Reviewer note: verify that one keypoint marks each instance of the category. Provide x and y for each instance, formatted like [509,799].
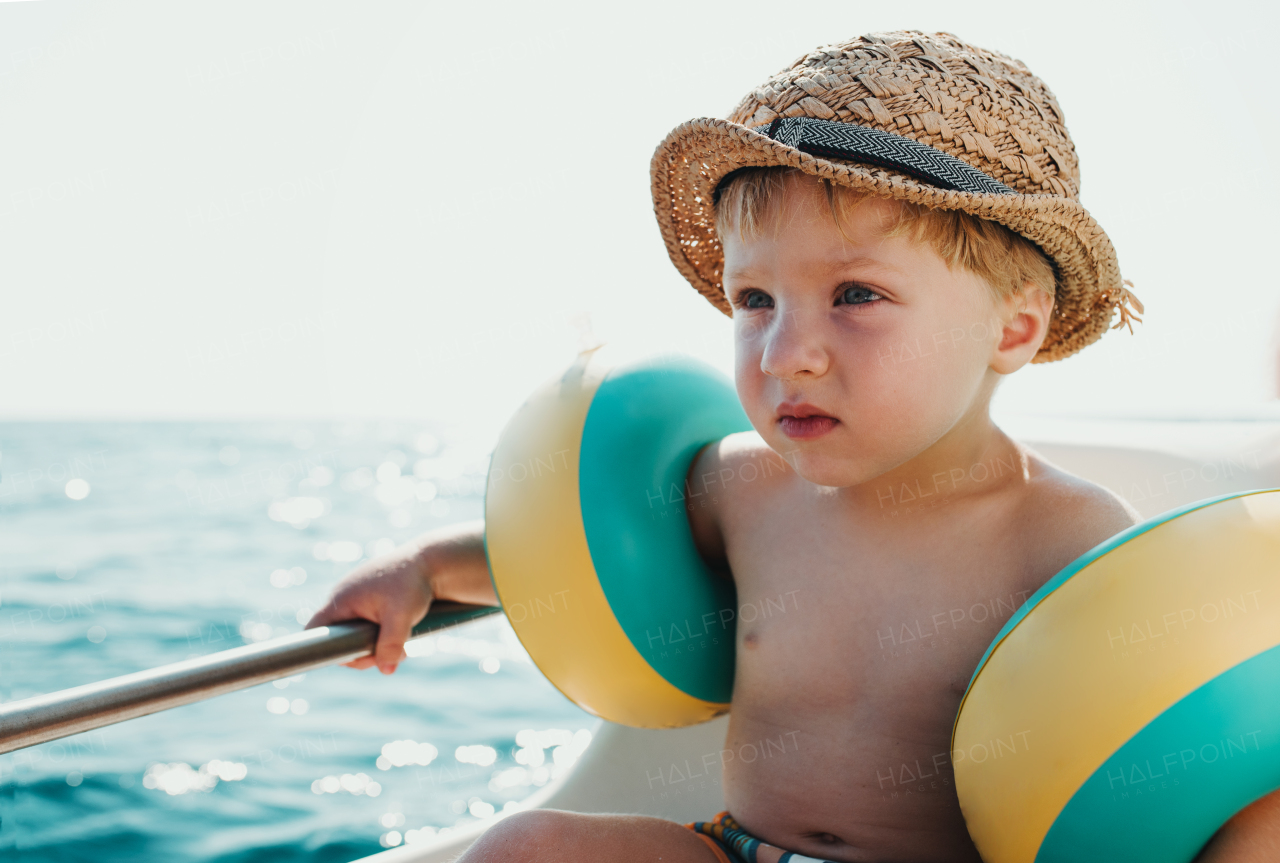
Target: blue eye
[858,296]
[758,300]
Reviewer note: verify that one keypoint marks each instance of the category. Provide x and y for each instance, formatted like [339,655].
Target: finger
[389,656]
[392,634]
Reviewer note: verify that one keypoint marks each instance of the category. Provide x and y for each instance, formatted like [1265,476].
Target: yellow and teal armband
[1132,705]
[589,544]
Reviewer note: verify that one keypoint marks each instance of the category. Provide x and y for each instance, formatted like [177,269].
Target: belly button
[750,639]
[827,839]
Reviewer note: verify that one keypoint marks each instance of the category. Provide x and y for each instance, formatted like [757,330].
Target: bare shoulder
[749,457]
[724,477]
[1063,516]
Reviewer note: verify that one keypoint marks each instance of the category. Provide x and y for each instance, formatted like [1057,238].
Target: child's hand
[393,592]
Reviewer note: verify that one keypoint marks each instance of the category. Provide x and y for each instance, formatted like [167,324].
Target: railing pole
[82,708]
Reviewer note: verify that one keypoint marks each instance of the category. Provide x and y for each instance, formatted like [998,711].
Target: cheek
[748,377]
[930,375]
[945,344]
[906,377]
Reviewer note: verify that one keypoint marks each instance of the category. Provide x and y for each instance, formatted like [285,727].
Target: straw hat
[918,117]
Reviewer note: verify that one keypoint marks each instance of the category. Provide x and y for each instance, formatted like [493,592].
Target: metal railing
[82,708]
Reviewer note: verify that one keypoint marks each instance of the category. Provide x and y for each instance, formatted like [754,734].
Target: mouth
[804,422]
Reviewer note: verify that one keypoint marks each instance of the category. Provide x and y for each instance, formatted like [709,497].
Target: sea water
[128,546]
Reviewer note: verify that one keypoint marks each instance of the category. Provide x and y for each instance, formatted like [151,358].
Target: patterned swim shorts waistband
[728,837]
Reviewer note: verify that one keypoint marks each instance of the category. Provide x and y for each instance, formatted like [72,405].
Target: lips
[804,421]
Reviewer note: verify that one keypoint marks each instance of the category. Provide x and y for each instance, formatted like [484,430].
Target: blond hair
[1005,260]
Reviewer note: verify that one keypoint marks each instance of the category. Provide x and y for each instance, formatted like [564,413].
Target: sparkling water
[127,546]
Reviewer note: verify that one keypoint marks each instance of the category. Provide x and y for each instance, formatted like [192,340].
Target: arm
[730,478]
[1252,834]
[704,518]
[395,590]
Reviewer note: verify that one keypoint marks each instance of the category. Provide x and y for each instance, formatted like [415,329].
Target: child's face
[853,356]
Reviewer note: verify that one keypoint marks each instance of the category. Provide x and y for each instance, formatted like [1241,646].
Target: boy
[892,224]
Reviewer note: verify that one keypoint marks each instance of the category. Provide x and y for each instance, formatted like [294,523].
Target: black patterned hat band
[832,140]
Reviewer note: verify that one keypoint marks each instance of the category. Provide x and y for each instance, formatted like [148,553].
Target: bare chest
[831,615]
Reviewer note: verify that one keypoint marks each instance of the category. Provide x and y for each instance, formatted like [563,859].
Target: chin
[830,471]
[842,464]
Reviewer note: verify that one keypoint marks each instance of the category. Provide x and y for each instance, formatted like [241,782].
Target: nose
[794,347]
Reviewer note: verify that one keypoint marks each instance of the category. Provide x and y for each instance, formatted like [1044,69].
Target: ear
[1024,321]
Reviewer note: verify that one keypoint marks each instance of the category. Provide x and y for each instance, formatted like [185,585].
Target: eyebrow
[832,267]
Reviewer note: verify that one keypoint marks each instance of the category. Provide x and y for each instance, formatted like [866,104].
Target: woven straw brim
[693,159]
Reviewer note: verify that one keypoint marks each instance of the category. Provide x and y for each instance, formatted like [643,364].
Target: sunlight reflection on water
[198,538]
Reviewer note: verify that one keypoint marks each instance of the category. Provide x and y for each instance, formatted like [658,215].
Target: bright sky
[307,209]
